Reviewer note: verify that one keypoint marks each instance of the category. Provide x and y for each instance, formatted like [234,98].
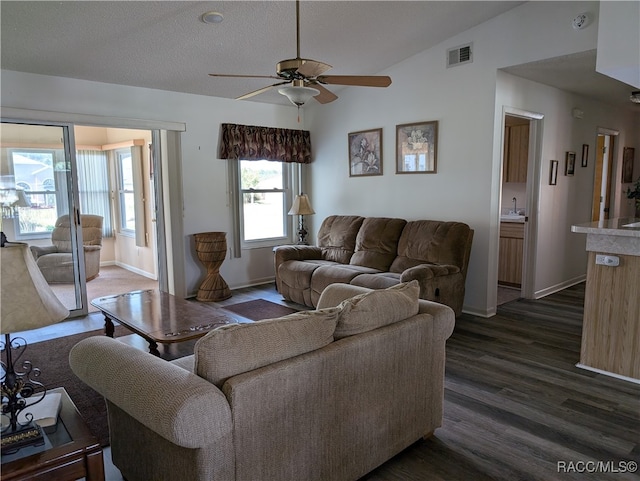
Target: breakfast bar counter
[611,323]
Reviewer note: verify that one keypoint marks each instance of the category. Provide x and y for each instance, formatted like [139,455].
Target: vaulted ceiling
[165,44]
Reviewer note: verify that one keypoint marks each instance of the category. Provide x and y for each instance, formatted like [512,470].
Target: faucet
[515,205]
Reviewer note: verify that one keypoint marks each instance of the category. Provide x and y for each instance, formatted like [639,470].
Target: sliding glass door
[40,204]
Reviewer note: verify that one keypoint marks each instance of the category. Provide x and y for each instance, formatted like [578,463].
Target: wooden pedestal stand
[211,248]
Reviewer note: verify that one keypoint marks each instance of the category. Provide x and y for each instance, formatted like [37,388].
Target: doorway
[601,203]
[59,172]
[520,169]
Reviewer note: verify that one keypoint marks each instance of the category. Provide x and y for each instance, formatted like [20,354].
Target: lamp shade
[301,206]
[26,300]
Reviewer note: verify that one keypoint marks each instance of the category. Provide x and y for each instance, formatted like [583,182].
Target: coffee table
[70,451]
[161,318]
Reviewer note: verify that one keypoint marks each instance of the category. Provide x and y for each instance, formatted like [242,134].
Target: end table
[70,451]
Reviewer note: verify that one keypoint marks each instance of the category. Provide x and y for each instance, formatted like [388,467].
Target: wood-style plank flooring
[517,408]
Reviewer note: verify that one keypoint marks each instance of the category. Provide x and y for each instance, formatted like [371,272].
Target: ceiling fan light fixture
[298,95]
[635,97]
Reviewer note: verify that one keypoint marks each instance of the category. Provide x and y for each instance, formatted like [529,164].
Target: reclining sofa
[378,252]
[324,395]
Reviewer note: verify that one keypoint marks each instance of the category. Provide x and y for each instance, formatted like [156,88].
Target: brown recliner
[56,262]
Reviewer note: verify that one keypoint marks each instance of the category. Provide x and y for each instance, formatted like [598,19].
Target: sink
[633,224]
[514,217]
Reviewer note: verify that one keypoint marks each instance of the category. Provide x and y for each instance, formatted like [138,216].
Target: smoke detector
[635,97]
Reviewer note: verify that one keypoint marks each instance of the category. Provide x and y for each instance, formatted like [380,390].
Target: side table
[70,451]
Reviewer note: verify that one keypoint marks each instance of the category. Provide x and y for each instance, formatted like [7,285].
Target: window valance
[250,142]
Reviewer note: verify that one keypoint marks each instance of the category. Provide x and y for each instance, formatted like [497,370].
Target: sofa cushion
[337,237]
[238,348]
[432,242]
[375,309]
[377,242]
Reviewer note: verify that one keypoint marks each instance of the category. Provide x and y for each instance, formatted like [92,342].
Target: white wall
[467,101]
[205,206]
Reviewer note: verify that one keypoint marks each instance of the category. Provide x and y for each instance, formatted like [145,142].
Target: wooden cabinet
[611,325]
[516,153]
[511,251]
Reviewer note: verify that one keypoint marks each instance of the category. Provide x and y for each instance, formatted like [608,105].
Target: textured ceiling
[164,45]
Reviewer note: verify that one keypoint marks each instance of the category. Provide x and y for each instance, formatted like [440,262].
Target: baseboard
[480,313]
[135,270]
[262,282]
[607,373]
[558,287]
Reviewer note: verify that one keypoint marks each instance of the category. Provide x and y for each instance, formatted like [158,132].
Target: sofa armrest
[38,251]
[90,248]
[176,404]
[427,271]
[444,318]
[296,253]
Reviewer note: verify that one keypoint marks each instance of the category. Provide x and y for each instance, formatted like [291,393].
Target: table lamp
[26,302]
[301,207]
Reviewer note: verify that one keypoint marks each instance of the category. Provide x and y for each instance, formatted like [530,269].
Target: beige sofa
[378,252]
[56,262]
[318,395]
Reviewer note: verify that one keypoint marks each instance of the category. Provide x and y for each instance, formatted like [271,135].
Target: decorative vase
[211,248]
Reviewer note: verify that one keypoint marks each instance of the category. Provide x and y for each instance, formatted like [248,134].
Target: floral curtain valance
[250,142]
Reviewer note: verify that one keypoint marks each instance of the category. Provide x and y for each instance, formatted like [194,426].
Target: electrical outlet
[611,261]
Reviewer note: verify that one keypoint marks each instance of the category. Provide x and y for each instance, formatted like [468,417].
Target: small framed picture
[365,153]
[627,164]
[585,154]
[570,163]
[417,148]
[553,173]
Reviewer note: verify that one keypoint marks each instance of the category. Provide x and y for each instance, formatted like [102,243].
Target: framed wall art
[627,164]
[417,148]
[553,173]
[365,153]
[570,163]
[585,154]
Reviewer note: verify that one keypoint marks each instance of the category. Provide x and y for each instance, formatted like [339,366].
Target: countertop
[611,227]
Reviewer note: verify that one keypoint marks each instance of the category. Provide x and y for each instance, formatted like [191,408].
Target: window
[126,196]
[265,193]
[33,172]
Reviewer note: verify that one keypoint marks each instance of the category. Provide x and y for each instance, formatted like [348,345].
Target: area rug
[52,357]
[260,309]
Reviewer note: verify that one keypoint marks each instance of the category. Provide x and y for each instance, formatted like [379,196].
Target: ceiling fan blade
[241,76]
[355,80]
[312,68]
[325,96]
[259,91]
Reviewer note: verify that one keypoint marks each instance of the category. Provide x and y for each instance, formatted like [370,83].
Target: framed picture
[627,164]
[365,153]
[570,163]
[585,154]
[553,173]
[417,148]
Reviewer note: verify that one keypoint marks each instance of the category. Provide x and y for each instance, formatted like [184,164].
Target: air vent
[460,55]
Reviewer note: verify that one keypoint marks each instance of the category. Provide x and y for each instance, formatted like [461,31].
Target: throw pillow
[237,348]
[378,308]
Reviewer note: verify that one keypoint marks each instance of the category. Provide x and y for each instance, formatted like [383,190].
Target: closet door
[39,203]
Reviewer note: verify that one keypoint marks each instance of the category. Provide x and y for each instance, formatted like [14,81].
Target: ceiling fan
[304,77]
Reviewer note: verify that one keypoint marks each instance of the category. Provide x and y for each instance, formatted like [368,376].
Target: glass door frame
[68,141]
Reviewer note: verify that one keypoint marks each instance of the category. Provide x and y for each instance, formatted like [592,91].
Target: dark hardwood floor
[517,408]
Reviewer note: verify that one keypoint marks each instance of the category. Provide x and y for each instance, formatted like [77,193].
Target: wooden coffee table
[70,451]
[161,318]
